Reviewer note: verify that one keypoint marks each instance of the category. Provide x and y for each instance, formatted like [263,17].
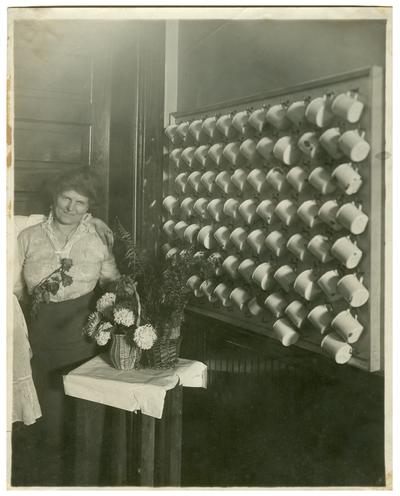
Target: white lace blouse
[40,254]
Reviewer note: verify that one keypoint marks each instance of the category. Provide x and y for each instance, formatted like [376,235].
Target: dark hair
[84,181]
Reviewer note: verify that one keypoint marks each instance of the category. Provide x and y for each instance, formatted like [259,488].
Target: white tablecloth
[132,390]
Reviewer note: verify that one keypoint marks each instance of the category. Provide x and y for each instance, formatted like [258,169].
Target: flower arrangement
[50,285]
[118,311]
[161,281]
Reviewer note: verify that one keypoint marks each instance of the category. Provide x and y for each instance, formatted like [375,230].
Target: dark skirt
[58,346]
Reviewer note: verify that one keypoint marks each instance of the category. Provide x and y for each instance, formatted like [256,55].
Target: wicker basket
[163,355]
[124,355]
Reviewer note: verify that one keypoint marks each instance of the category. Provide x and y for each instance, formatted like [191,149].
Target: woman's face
[69,207]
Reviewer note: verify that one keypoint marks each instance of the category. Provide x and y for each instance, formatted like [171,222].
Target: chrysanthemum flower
[103,336]
[124,316]
[145,336]
[93,321]
[105,302]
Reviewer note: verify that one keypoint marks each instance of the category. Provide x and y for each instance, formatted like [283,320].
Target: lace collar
[84,226]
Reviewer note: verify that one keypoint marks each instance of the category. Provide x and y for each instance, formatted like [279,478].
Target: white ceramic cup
[297,245]
[191,232]
[347,326]
[296,112]
[206,237]
[266,210]
[265,147]
[321,180]
[297,178]
[354,146]
[230,265]
[286,150]
[320,317]
[352,218]
[222,236]
[308,143]
[168,228]
[209,126]
[232,153]
[165,248]
[187,155]
[170,132]
[239,121]
[257,119]
[256,178]
[215,209]
[276,178]
[276,304]
[297,313]
[308,213]
[285,276]
[172,253]
[247,210]
[175,157]
[246,268]
[224,125]
[283,330]
[318,112]
[215,153]
[255,308]
[348,107]
[263,275]
[195,128]
[208,287]
[239,238]
[353,290]
[255,240]
[171,204]
[276,242]
[348,179]
[223,181]
[182,129]
[208,180]
[200,208]
[329,140]
[240,297]
[334,347]
[193,282]
[181,182]
[187,206]
[180,228]
[328,283]
[239,178]
[347,252]
[327,213]
[201,154]
[305,285]
[276,115]
[286,210]
[320,247]
[222,291]
[231,207]
[194,181]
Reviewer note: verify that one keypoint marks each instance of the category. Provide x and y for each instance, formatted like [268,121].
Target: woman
[55,332]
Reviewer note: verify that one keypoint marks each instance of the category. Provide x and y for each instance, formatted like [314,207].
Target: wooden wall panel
[52,142]
[62,94]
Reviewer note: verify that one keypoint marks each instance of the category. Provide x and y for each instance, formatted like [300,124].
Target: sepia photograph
[199,228]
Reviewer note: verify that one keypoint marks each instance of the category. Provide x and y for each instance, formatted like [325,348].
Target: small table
[151,443]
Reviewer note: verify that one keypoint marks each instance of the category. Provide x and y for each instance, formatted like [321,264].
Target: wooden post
[147,449]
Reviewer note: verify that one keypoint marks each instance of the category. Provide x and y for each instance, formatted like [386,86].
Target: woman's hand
[104,232]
